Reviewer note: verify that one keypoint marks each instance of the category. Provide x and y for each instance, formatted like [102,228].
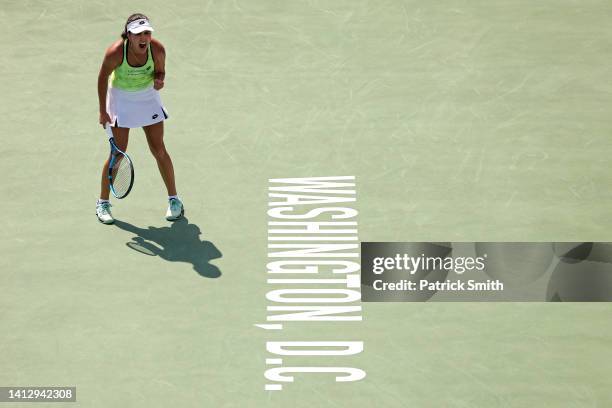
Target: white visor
[138,26]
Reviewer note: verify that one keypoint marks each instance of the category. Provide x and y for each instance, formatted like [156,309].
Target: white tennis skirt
[134,109]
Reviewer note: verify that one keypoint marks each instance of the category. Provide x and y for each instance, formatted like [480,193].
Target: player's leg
[121,136]
[155,139]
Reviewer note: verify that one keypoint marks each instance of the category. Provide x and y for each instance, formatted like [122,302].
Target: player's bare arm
[159,55]
[112,59]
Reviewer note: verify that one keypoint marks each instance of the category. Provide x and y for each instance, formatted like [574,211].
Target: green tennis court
[461,121]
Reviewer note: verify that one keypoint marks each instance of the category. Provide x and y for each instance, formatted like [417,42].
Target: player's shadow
[179,242]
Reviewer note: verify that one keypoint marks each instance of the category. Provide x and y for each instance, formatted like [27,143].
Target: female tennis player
[136,67]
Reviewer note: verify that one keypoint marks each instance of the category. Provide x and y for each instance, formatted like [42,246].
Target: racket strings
[121,175]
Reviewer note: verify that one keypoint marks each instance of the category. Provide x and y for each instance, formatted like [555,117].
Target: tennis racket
[120,168]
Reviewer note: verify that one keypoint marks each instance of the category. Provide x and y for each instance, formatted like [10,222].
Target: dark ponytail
[131,18]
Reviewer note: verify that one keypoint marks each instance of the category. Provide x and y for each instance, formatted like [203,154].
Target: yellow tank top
[129,78]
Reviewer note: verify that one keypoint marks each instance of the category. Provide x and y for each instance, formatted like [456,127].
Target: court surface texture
[461,121]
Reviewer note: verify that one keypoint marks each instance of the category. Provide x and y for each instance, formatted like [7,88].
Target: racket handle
[109,132]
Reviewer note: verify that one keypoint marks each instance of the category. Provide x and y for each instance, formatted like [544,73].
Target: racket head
[120,172]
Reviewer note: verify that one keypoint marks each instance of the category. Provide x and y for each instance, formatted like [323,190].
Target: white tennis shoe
[175,209]
[104,213]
